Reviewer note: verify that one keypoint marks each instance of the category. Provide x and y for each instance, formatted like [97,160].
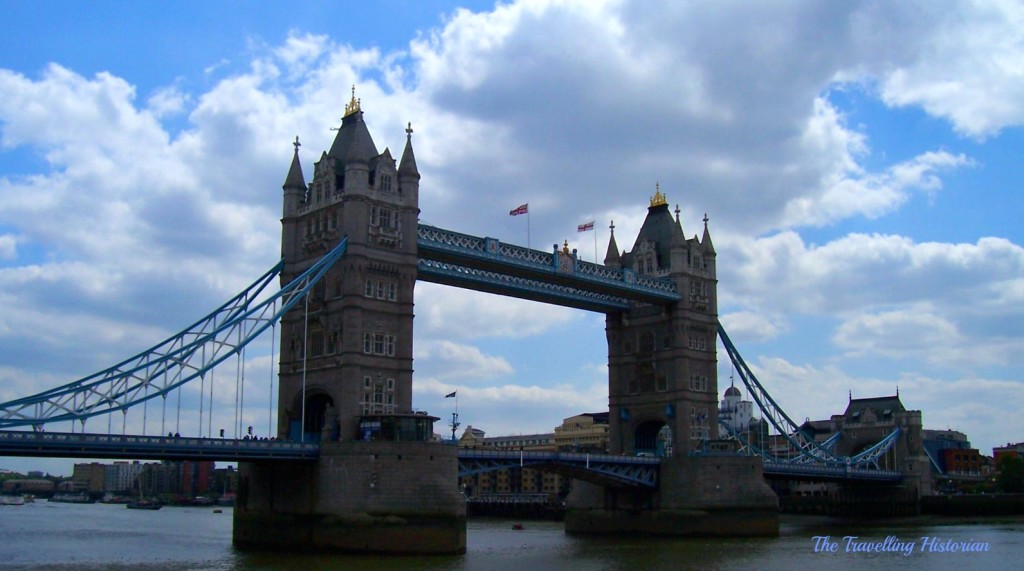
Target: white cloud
[963,64]
[462,314]
[751,326]
[8,247]
[167,101]
[448,360]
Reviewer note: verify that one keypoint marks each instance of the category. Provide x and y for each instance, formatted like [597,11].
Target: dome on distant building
[732,392]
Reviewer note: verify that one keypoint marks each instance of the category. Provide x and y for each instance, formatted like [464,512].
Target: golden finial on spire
[353,105]
[658,199]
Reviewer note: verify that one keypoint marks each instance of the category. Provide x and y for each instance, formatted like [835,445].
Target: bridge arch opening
[653,438]
[321,418]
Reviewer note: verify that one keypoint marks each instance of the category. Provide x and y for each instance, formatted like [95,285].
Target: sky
[858,163]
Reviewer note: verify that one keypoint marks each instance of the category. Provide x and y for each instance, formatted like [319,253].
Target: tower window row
[381,289]
[698,423]
[698,383]
[378,396]
[698,342]
[384,218]
[321,223]
[375,343]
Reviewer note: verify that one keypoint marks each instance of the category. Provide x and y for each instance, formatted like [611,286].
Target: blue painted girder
[557,277]
[607,469]
[131,447]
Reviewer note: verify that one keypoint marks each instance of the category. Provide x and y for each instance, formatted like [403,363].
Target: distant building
[36,486]
[587,432]
[954,462]
[1014,449]
[89,477]
[868,420]
[122,477]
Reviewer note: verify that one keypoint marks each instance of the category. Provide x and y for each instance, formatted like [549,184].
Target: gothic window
[698,342]
[646,344]
[319,192]
[385,183]
[316,343]
[634,386]
[333,340]
[381,289]
[378,344]
[662,382]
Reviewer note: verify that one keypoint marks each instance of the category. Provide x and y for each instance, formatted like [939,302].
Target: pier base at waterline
[696,496]
[367,497]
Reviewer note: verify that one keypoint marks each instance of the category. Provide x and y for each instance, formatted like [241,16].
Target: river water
[73,537]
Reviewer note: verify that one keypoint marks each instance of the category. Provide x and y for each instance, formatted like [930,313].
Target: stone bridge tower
[380,484]
[662,399]
[662,363]
[349,353]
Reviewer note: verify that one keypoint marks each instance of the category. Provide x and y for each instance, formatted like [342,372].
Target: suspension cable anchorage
[127,383]
[809,449]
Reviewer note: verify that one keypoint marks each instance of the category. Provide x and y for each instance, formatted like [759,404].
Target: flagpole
[527,230]
[595,243]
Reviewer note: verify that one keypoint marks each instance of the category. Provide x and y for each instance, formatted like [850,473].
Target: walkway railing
[129,447]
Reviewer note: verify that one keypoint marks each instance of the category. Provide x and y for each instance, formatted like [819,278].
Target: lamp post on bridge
[455,415]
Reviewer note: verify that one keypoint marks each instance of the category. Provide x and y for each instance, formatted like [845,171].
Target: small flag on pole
[585,227]
[523,209]
[450,395]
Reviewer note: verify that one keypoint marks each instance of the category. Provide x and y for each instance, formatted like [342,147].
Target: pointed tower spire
[611,258]
[706,240]
[408,165]
[295,180]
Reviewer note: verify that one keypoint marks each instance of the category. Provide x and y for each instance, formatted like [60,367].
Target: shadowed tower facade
[662,361]
[379,484]
[348,354]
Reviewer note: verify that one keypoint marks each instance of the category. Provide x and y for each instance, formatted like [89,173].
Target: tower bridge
[368,476]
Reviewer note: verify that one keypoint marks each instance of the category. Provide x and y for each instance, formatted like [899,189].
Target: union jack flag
[523,209]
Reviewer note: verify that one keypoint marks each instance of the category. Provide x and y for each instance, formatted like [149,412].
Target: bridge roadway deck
[630,470]
[132,447]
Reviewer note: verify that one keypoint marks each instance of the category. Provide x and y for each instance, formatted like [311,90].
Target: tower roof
[353,141]
[658,227]
[295,178]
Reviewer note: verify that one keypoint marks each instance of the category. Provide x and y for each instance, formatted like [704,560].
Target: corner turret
[611,257]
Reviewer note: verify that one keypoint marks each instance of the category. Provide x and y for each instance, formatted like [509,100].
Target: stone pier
[368,497]
[696,496]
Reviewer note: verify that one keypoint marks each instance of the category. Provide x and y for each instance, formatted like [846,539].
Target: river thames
[46,535]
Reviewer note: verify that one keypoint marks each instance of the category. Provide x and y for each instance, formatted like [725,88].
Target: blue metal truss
[515,286]
[803,448]
[601,468]
[181,358]
[583,280]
